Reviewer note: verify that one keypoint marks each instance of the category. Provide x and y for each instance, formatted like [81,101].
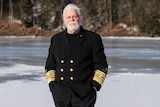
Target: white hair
[72,6]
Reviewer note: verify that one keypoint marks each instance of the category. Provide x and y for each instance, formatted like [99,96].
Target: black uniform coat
[75,63]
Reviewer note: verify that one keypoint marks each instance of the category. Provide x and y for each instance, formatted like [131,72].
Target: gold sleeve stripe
[50,76]
[99,77]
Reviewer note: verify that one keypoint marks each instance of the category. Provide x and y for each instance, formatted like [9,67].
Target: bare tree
[110,12]
[36,11]
[10,13]
[1,14]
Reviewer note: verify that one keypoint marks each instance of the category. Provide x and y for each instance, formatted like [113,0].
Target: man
[76,66]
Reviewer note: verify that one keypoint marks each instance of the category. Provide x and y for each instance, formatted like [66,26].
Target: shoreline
[25,36]
[131,37]
[104,37]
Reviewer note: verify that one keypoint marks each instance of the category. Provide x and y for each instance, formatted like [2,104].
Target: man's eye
[72,17]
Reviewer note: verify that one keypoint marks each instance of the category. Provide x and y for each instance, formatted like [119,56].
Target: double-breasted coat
[75,64]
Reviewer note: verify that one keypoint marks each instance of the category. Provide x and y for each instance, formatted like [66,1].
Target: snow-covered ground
[119,90]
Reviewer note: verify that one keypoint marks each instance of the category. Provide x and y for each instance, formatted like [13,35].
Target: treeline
[47,14]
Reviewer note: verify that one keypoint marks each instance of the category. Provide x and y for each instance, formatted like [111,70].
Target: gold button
[71,78]
[62,78]
[62,61]
[71,69]
[61,69]
[71,61]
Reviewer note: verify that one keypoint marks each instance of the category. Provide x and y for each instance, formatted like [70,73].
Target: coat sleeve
[100,63]
[50,64]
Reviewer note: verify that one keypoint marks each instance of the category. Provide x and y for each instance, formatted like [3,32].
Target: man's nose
[72,18]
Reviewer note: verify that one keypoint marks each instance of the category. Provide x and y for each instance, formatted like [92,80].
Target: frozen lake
[133,77]
[133,55]
[123,55]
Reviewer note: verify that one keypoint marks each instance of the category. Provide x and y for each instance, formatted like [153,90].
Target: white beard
[73,27]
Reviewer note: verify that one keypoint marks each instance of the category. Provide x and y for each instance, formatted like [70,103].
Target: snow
[28,94]
[132,90]
[119,90]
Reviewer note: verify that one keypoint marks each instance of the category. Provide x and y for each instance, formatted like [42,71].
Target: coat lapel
[63,46]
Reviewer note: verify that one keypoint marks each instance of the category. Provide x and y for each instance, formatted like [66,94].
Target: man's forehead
[69,11]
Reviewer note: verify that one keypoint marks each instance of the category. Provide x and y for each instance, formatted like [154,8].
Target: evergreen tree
[27,15]
[147,17]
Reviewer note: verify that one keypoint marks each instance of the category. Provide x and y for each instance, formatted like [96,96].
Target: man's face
[71,20]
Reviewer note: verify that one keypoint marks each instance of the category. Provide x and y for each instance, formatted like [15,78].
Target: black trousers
[79,96]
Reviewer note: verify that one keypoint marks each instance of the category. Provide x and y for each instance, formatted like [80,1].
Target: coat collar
[69,49]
